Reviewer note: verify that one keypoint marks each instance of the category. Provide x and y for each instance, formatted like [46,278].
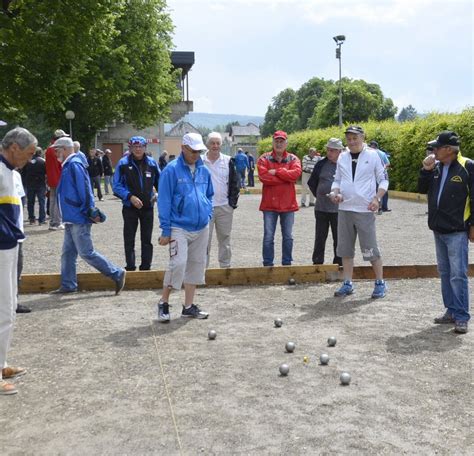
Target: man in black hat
[448,179]
[358,173]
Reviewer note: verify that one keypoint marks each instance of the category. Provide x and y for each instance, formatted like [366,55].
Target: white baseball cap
[63,142]
[194,141]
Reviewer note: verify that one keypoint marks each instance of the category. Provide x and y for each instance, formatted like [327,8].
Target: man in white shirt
[225,181]
[358,171]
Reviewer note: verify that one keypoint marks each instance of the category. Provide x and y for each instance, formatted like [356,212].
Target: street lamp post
[70,115]
[339,39]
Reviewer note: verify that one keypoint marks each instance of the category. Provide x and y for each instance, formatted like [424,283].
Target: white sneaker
[163,312]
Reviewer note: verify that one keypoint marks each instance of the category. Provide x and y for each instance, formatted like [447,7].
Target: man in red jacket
[278,171]
[53,174]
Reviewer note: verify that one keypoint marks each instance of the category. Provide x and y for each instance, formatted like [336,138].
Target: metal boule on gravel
[212,334]
[345,378]
[284,369]
[291,281]
[278,322]
[332,341]
[290,347]
[324,359]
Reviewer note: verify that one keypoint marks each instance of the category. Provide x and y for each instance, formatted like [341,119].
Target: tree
[289,120]
[104,59]
[361,101]
[307,98]
[275,111]
[228,127]
[408,113]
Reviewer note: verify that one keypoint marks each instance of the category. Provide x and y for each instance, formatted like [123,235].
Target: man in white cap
[185,208]
[325,211]
[77,205]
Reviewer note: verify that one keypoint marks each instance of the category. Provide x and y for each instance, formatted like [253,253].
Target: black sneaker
[194,312]
[163,312]
[446,319]
[20,309]
[460,327]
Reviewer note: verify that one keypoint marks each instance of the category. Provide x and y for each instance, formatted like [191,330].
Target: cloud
[203,104]
[379,12]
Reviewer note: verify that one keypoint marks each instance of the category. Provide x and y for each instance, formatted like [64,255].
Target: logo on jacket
[456,179]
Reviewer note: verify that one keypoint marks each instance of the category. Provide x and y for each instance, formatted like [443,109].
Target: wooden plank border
[407,196]
[145,280]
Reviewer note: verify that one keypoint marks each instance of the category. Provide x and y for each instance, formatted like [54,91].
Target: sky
[420,52]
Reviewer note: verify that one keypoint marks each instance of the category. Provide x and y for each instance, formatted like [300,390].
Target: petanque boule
[291,281]
[284,369]
[278,322]
[324,359]
[290,347]
[345,378]
[332,341]
[212,334]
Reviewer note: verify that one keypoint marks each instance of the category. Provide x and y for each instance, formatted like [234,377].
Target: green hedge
[406,142]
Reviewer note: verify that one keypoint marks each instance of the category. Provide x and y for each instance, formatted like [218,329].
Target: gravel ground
[106,379]
[403,237]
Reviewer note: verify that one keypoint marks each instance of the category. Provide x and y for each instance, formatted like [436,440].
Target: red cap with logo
[280,134]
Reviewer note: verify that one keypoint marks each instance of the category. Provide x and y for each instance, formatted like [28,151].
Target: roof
[181,128]
[183,60]
[247,130]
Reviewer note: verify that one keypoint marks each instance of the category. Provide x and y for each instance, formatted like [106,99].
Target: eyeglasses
[189,149]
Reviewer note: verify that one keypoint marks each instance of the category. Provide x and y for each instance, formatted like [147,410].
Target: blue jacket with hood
[74,191]
[184,199]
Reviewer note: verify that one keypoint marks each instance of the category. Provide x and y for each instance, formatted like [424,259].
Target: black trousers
[131,217]
[250,178]
[323,221]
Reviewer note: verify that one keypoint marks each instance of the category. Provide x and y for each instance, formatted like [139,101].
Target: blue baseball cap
[137,141]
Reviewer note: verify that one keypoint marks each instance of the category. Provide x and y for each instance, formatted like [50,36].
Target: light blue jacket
[74,191]
[184,200]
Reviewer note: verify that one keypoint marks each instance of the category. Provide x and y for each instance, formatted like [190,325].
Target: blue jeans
[241,173]
[452,258]
[77,240]
[270,219]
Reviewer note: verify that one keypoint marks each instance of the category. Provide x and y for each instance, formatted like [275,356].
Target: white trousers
[188,254]
[305,189]
[8,300]
[222,221]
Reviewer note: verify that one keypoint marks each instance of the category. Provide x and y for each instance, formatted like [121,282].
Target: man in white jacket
[358,171]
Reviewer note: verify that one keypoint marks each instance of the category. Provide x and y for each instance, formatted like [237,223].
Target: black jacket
[107,166]
[456,205]
[95,167]
[313,181]
[136,178]
[34,173]
[234,184]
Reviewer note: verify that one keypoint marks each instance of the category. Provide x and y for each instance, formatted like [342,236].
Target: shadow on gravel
[332,307]
[439,338]
[36,232]
[131,337]
[51,302]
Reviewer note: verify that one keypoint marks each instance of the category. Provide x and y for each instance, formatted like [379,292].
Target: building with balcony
[115,137]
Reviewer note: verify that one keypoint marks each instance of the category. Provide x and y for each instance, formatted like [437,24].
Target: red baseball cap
[280,134]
